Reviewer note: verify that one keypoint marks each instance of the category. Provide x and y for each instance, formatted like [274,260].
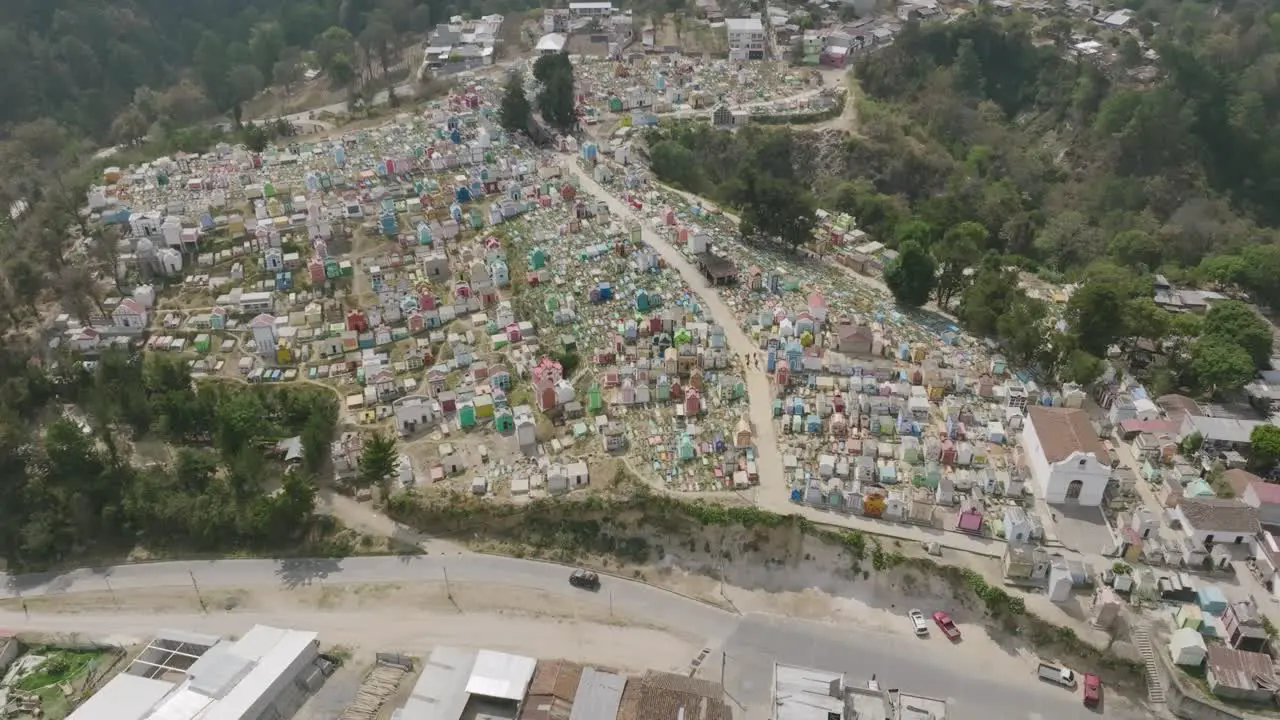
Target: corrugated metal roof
[441,690]
[599,696]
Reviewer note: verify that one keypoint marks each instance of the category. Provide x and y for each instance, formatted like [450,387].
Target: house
[1219,435]
[1261,496]
[613,437]
[746,38]
[412,413]
[1239,675]
[129,314]
[1067,461]
[1244,627]
[1207,521]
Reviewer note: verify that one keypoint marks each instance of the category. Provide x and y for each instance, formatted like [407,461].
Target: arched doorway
[1074,488]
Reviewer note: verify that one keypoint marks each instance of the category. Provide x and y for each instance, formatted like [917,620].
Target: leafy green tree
[676,164]
[556,101]
[967,70]
[1135,247]
[317,436]
[1144,319]
[332,44]
[1260,273]
[515,111]
[916,231]
[960,246]
[1130,52]
[266,43]
[1095,311]
[342,71]
[1264,448]
[240,420]
[1234,322]
[213,68]
[1220,365]
[775,208]
[378,461]
[988,297]
[911,276]
[1022,330]
[288,71]
[1083,368]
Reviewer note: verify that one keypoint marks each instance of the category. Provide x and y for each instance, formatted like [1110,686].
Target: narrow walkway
[759,394]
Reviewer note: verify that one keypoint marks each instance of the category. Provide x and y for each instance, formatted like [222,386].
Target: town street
[976,686]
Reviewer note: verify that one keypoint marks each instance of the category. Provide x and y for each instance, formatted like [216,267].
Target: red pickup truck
[946,625]
[1092,690]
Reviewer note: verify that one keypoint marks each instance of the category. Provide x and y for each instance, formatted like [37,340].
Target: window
[1074,488]
[1082,462]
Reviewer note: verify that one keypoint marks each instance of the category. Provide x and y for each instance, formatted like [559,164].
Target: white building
[746,38]
[458,682]
[591,9]
[413,413]
[551,44]
[1067,461]
[268,673]
[1209,521]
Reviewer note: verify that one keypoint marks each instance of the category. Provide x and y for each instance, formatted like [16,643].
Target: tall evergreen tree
[515,110]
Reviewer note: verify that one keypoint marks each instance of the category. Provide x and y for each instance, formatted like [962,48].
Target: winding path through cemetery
[772,482]
[772,493]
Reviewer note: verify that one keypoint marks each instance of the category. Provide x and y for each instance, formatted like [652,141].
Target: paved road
[929,667]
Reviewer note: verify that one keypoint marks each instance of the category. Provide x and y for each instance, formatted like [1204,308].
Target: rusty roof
[662,696]
[551,690]
[1240,480]
[1238,669]
[1063,431]
[1220,515]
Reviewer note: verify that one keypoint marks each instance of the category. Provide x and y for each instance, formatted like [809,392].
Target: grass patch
[58,667]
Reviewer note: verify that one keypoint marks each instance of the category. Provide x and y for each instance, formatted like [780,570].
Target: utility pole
[611,603]
[115,600]
[448,591]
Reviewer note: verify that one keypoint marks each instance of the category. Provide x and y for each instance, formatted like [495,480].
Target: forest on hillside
[984,147]
[85,63]
[76,486]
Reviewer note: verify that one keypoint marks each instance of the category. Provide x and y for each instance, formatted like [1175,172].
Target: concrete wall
[1193,708]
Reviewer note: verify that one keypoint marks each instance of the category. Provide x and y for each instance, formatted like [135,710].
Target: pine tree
[377,461]
[514,112]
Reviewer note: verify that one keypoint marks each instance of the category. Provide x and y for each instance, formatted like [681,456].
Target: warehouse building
[265,675]
[457,682]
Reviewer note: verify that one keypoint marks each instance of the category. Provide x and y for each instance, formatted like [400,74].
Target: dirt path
[759,394]
[847,121]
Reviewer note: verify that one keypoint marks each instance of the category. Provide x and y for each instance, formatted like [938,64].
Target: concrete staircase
[1155,685]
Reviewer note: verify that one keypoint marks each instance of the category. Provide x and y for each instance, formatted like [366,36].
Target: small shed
[1186,647]
[1211,599]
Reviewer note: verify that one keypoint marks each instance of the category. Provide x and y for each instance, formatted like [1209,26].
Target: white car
[918,622]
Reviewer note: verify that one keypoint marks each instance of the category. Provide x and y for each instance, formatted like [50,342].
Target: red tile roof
[1063,431]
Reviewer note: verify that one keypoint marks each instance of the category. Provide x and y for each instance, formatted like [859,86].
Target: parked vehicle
[918,622]
[1092,690]
[1057,674]
[585,579]
[946,625]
